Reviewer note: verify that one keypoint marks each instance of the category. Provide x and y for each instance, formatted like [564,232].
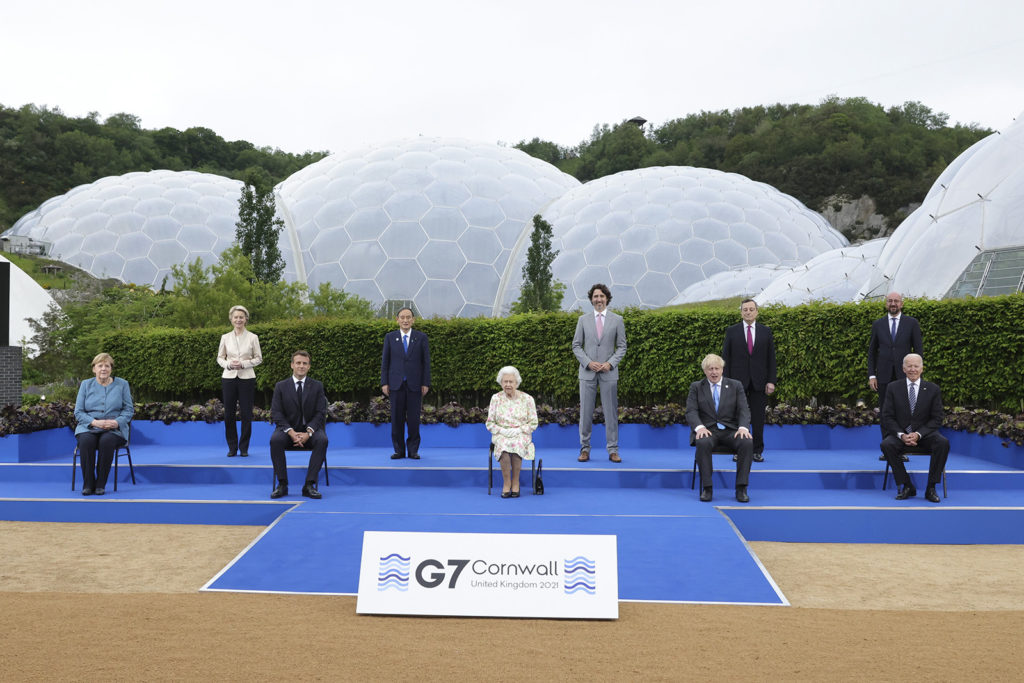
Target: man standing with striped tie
[911,417]
[749,354]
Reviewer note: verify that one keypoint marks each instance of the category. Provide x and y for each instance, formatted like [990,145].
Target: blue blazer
[396,364]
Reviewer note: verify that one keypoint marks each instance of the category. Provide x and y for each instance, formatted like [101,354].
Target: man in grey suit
[599,345]
[718,415]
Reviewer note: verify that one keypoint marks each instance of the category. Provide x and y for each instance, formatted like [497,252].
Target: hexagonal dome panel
[966,238]
[836,275]
[136,226]
[454,208]
[708,219]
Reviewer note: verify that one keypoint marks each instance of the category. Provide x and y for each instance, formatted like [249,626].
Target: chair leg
[693,474]
[533,475]
[885,479]
[116,459]
[490,472]
[945,492]
[327,473]
[74,467]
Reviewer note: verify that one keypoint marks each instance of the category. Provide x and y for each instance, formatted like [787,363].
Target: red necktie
[750,340]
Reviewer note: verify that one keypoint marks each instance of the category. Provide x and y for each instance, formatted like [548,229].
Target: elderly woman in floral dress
[511,420]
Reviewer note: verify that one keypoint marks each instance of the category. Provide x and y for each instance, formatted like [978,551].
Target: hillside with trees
[842,148]
[46,153]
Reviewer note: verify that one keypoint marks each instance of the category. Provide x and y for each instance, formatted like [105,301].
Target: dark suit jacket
[927,415]
[752,370]
[885,357]
[733,411]
[396,364]
[284,407]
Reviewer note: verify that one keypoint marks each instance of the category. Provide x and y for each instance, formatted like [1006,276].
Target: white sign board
[558,576]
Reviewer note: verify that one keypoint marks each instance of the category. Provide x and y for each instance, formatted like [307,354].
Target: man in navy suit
[299,411]
[892,338]
[749,353]
[717,412]
[405,379]
[911,417]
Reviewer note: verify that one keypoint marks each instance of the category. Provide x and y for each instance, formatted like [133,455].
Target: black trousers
[893,448]
[406,405]
[240,392]
[758,401]
[722,439]
[95,470]
[281,442]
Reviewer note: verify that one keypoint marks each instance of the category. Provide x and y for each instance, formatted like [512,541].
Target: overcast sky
[317,75]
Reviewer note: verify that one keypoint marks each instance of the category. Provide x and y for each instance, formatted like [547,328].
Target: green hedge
[973,349]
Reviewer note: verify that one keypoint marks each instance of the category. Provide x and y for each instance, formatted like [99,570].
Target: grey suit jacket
[610,349]
[733,410]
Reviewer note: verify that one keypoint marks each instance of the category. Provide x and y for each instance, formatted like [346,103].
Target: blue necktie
[714,393]
[893,328]
[405,342]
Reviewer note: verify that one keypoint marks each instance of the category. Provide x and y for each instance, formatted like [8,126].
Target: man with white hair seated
[911,416]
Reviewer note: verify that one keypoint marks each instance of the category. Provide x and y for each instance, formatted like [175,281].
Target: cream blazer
[244,347]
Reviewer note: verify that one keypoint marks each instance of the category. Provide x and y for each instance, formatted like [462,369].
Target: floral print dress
[511,421]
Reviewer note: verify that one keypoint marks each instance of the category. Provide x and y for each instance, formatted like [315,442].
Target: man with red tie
[892,338]
[749,354]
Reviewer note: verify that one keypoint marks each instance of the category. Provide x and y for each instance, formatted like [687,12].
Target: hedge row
[972,349]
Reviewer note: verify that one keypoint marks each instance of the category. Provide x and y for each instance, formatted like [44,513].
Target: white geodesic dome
[967,238]
[836,276]
[745,282]
[28,300]
[651,233]
[431,220]
[134,227]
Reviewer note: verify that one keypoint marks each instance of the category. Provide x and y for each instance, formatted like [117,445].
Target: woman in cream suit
[239,353]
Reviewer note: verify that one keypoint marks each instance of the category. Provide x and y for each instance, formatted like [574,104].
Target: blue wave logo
[580,575]
[393,572]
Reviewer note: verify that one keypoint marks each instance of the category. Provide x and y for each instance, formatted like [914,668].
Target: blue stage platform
[817,485]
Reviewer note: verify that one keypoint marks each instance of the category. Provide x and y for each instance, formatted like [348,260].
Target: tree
[539,292]
[258,230]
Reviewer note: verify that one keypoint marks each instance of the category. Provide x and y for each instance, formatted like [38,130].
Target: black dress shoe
[735,458]
[86,492]
[705,494]
[414,456]
[882,457]
[758,457]
[906,492]
[244,455]
[930,495]
[309,491]
[515,494]
[506,494]
[280,492]
[232,454]
[741,495]
[98,491]
[397,456]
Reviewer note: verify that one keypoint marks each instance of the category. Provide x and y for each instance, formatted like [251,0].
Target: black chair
[327,472]
[714,452]
[535,466]
[126,447]
[915,451]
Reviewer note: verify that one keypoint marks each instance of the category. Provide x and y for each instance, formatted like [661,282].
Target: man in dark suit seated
[717,412]
[299,409]
[911,417]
